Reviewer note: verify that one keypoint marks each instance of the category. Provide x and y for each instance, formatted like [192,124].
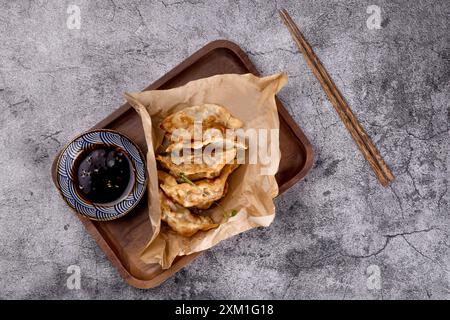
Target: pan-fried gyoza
[181,220]
[200,194]
[196,171]
[208,115]
[212,136]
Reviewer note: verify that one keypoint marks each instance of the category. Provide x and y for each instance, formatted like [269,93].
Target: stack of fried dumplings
[190,182]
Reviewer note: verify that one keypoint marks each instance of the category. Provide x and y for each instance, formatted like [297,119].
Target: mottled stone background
[56,82]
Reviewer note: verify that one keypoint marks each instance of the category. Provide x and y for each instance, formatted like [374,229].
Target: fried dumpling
[201,169]
[181,220]
[216,142]
[209,115]
[200,194]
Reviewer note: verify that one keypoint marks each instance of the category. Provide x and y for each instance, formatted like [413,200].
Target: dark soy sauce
[103,174]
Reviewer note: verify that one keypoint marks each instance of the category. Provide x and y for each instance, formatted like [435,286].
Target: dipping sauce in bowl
[103,174]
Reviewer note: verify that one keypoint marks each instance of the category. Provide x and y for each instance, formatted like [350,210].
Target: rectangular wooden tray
[123,239]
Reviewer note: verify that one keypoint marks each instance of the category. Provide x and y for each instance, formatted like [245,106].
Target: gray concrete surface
[338,233]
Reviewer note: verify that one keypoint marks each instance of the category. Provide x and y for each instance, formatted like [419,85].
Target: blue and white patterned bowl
[66,178]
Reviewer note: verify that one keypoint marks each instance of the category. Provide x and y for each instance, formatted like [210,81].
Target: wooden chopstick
[363,141]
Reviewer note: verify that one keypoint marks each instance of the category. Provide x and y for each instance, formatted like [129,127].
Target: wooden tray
[122,240]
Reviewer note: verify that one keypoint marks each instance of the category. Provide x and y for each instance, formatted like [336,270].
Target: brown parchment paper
[247,97]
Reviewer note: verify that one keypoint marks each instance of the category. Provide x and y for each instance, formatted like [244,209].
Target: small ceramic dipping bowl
[82,149]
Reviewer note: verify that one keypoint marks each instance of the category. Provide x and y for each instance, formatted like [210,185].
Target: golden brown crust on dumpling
[181,220]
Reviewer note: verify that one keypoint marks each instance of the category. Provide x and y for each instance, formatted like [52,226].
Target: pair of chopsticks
[365,144]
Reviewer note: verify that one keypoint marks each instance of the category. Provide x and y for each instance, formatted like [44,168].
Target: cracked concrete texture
[331,227]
